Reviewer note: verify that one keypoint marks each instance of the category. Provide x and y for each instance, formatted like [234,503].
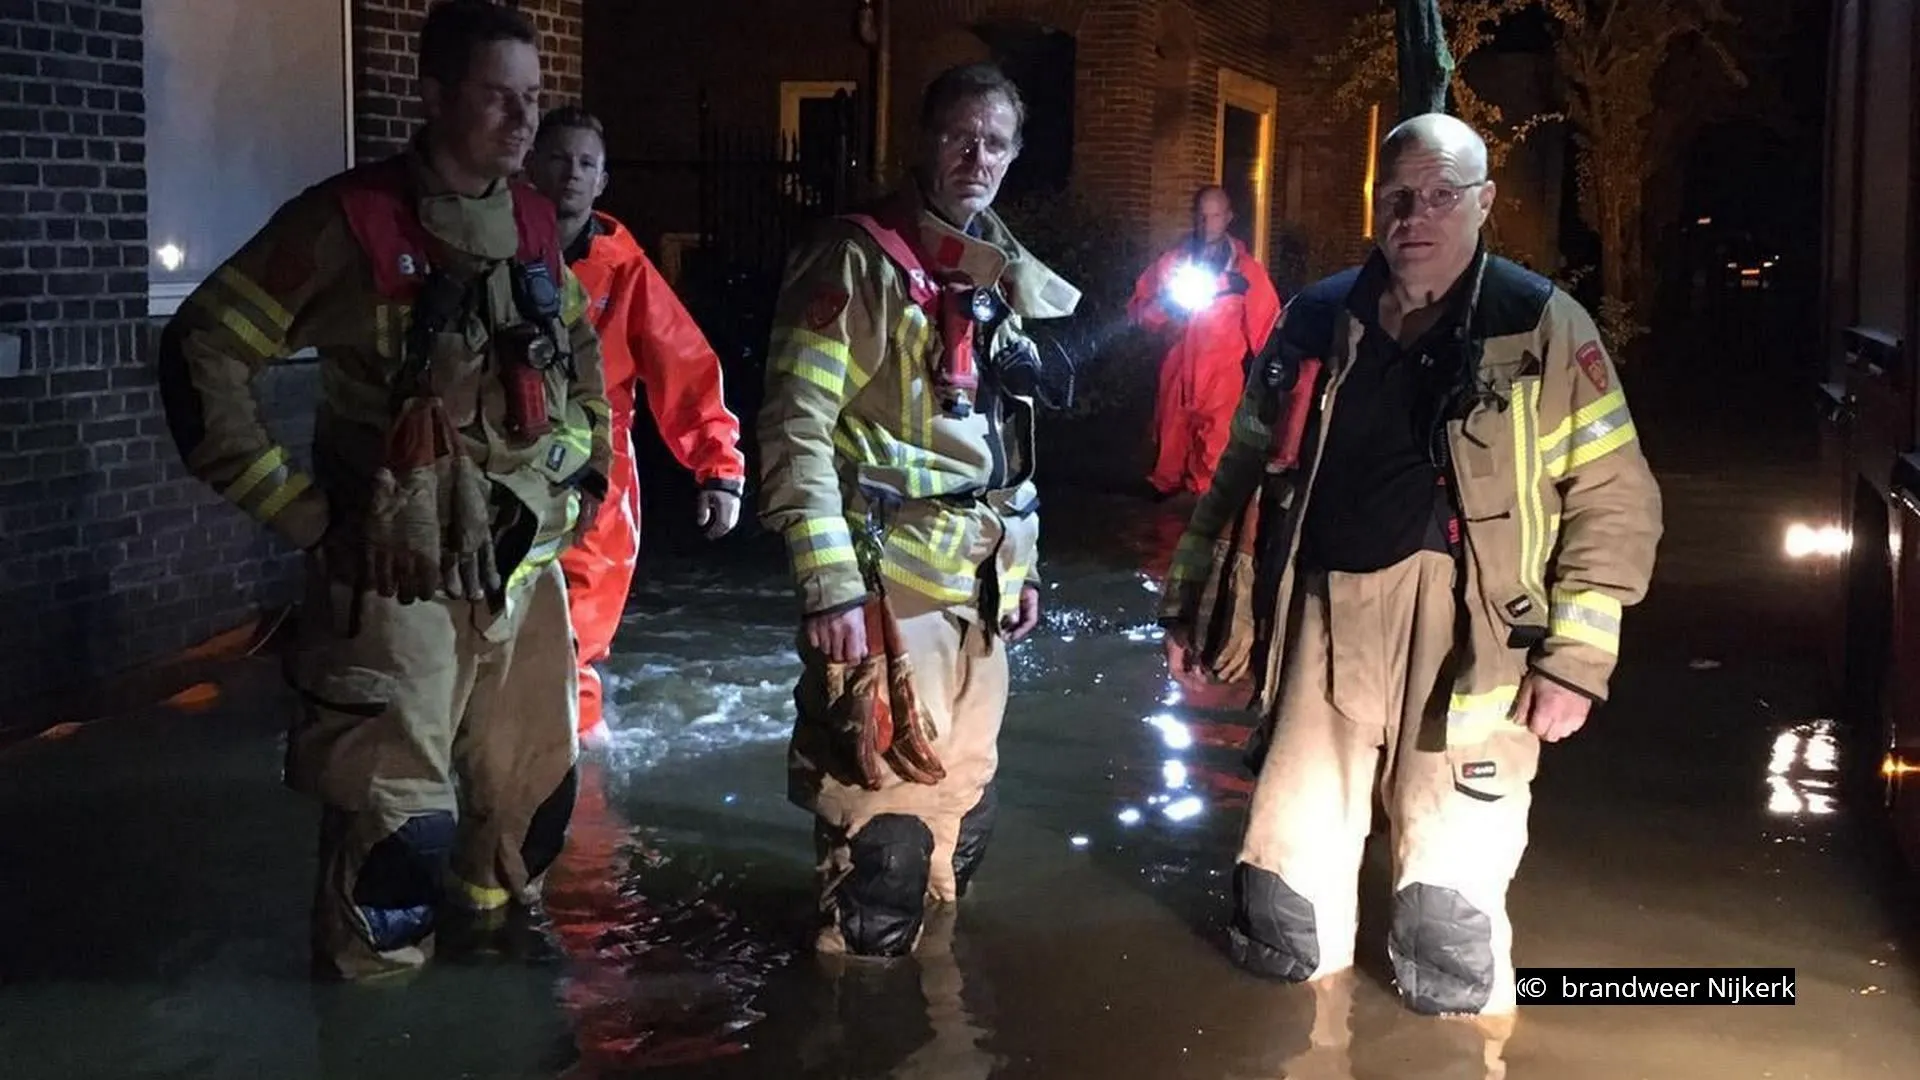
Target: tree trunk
[1426,64]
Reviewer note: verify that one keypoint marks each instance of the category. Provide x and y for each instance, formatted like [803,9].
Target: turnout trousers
[1362,715]
[440,740]
[884,855]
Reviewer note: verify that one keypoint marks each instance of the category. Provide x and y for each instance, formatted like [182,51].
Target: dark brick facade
[1145,98]
[111,556]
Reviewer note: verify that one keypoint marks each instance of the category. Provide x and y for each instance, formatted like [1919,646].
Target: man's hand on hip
[839,636]
[1550,710]
[717,512]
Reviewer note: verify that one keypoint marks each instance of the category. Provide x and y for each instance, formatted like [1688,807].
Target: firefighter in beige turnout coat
[1470,514]
[878,484]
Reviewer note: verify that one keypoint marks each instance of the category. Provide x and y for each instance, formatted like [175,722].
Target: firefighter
[648,340]
[461,439]
[1215,301]
[900,473]
[1469,515]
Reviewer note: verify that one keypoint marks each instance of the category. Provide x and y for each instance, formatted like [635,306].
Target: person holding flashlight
[1214,300]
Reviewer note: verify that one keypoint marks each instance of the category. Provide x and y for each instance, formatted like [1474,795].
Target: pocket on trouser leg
[335,746]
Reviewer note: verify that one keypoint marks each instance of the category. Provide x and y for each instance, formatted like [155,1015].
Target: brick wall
[386,38]
[110,554]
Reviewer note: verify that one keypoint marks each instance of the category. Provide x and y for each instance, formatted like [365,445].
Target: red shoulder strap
[375,199]
[538,222]
[900,250]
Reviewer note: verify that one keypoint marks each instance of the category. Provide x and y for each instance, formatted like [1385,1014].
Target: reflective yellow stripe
[1473,718]
[248,334]
[479,897]
[598,408]
[271,507]
[816,358]
[262,467]
[277,317]
[820,542]
[1532,516]
[1592,618]
[538,558]
[1587,453]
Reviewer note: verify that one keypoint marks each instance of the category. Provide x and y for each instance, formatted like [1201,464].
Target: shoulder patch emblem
[1595,365]
[825,307]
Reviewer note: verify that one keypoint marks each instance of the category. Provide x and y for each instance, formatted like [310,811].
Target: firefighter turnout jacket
[1559,513]
[343,269]
[853,433]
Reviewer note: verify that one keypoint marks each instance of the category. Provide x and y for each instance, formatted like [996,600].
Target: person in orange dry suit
[1217,300]
[648,339]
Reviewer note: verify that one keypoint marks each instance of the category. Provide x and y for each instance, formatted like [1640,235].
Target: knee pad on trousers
[547,833]
[882,902]
[976,829]
[401,881]
[1273,930]
[1442,950]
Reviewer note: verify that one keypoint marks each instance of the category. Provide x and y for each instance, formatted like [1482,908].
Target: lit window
[248,104]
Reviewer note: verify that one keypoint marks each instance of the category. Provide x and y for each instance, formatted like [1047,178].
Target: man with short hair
[461,439]
[647,340]
[1213,298]
[1455,513]
[898,443]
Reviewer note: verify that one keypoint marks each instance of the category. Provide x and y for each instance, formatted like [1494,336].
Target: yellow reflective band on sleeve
[573,300]
[272,505]
[249,335]
[598,409]
[1532,511]
[820,542]
[1603,426]
[1589,617]
[1473,718]
[262,467]
[816,358]
[276,318]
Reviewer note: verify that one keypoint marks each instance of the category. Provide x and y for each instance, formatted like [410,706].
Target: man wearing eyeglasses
[897,445]
[1468,517]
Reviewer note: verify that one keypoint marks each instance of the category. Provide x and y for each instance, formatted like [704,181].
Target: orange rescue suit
[647,339]
[1204,371]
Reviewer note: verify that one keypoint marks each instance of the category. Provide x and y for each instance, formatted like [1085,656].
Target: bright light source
[1192,287]
[1080,841]
[1804,540]
[1704,221]
[1130,816]
[170,256]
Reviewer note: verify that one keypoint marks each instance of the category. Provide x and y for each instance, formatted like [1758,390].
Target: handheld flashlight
[1192,287]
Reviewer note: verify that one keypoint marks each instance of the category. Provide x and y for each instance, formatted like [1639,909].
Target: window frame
[165,298]
[1261,98]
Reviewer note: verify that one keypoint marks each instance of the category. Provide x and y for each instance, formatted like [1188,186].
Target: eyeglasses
[994,148]
[1440,198]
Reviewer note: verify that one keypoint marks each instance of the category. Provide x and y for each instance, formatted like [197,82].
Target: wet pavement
[154,877]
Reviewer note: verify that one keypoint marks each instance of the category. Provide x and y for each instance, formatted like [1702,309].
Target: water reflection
[1801,771]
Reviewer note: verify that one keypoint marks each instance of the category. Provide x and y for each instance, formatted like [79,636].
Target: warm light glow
[170,256]
[1373,164]
[1894,766]
[1751,271]
[1804,541]
[1192,287]
[1704,221]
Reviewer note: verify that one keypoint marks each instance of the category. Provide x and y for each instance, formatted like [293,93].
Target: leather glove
[860,717]
[910,748]
[467,564]
[403,542]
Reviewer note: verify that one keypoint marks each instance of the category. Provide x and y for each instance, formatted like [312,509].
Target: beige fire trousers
[1362,714]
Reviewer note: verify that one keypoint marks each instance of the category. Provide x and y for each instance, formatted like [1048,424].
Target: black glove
[1042,365]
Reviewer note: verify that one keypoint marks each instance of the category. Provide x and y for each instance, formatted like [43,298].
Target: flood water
[154,877]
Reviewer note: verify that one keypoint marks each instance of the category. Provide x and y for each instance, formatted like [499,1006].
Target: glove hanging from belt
[429,518]
[874,712]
